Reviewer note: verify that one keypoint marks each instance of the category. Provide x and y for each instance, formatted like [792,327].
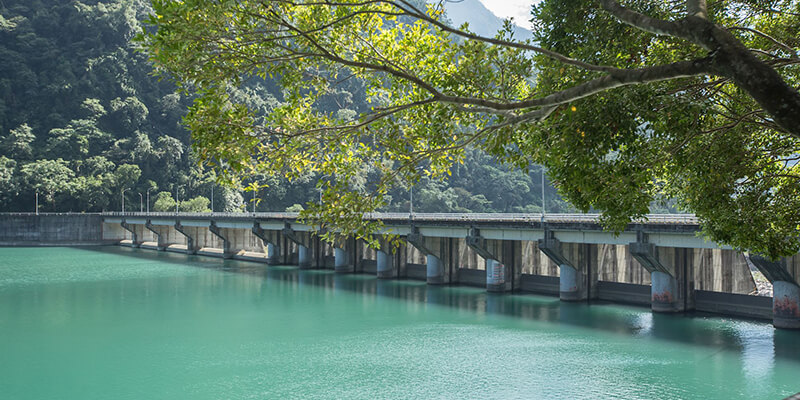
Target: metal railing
[667,219]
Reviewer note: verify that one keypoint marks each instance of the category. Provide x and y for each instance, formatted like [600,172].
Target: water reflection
[756,341]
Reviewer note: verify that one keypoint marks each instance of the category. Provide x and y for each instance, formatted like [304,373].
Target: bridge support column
[345,255]
[785,291]
[192,246]
[309,248]
[136,239]
[226,244]
[385,265]
[438,256]
[303,256]
[160,236]
[272,240]
[388,258]
[495,276]
[577,274]
[663,292]
[671,288]
[341,261]
[569,283]
[786,305]
[502,257]
[273,254]
[434,271]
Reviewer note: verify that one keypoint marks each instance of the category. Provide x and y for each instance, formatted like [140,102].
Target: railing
[671,219]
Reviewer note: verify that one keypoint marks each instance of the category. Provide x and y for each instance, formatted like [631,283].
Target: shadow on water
[751,338]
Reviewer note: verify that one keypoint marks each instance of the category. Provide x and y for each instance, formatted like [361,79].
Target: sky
[519,9]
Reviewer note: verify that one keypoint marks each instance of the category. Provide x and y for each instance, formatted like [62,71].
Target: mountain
[480,19]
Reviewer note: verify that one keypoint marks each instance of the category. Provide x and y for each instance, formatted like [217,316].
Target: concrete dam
[661,262]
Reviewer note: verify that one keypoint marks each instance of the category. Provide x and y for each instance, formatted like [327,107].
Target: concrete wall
[616,264]
[720,270]
[50,229]
[534,262]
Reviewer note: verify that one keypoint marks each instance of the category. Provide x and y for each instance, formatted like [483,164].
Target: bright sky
[519,9]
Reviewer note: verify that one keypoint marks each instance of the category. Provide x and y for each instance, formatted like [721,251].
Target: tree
[7,181]
[127,175]
[17,144]
[164,202]
[195,204]
[47,177]
[624,102]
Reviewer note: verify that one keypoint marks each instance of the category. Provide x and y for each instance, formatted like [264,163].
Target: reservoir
[121,323]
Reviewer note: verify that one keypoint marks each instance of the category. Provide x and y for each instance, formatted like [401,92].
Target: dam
[662,263]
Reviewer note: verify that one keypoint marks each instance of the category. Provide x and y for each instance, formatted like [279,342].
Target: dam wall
[51,229]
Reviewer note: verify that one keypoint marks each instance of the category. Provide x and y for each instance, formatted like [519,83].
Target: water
[117,323]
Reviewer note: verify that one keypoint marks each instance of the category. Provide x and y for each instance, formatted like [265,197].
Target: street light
[411,201]
[123,200]
[148,200]
[141,203]
[544,205]
[37,202]
[177,199]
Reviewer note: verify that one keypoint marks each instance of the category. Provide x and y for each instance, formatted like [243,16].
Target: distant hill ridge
[480,19]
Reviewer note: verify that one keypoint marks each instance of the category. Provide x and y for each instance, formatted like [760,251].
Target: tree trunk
[760,80]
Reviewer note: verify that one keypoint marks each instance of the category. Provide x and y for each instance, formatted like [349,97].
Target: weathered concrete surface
[577,267]
[439,254]
[786,305]
[733,304]
[52,230]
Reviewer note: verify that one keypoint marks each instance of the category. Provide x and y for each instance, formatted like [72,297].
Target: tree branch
[643,22]
[697,8]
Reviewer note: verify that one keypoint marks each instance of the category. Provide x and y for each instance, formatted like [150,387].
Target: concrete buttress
[136,236]
[577,274]
[785,291]
[503,261]
[672,288]
[192,245]
[438,256]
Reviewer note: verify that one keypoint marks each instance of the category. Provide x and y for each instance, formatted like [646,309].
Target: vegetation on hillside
[82,119]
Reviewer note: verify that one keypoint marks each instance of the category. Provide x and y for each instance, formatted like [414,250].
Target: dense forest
[83,122]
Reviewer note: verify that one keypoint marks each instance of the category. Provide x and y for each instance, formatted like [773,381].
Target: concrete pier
[577,281]
[273,254]
[663,292]
[495,276]
[303,256]
[342,262]
[385,265]
[434,272]
[786,305]
[569,284]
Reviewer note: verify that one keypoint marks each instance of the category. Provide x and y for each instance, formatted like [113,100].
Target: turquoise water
[118,323]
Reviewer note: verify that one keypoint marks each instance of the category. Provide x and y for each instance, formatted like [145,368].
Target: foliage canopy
[624,102]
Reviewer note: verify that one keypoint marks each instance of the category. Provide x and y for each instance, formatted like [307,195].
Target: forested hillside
[82,119]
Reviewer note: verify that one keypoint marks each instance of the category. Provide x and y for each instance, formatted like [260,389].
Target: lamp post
[37,202]
[123,200]
[411,201]
[177,199]
[141,203]
[544,205]
[148,200]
